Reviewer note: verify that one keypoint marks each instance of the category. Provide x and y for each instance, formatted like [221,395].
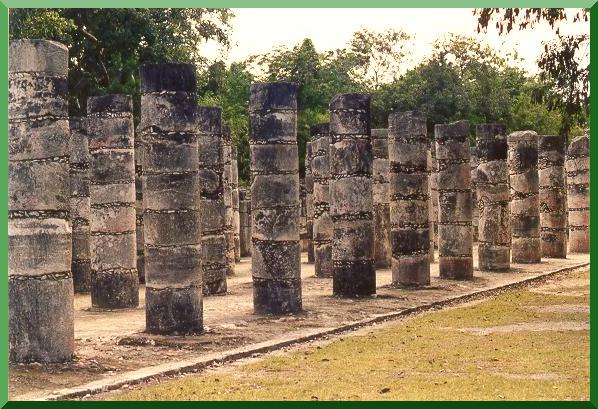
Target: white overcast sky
[257,30]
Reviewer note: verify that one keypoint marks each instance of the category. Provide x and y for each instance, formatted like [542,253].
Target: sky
[257,31]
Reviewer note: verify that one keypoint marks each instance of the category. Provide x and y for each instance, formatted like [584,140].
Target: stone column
[431,219]
[578,194]
[80,205]
[455,238]
[227,154]
[322,224]
[553,197]
[139,209]
[351,196]
[525,203]
[214,248]
[409,199]
[382,250]
[275,208]
[245,222]
[40,284]
[114,276]
[171,201]
[434,194]
[475,214]
[494,232]
[309,202]
[235,197]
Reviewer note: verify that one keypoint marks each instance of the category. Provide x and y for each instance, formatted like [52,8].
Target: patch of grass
[426,357]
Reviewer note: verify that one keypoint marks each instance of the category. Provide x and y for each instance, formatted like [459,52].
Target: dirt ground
[112,342]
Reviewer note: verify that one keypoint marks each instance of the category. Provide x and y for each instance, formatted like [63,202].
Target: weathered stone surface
[431,219]
[114,276]
[322,223]
[229,214]
[214,245]
[494,231]
[171,200]
[525,202]
[351,196]
[138,147]
[434,194]
[275,206]
[235,200]
[475,215]
[455,238]
[382,250]
[409,199]
[309,202]
[40,282]
[245,222]
[553,196]
[578,194]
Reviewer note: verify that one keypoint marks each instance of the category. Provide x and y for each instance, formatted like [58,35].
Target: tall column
[228,201]
[434,194]
[351,196]
[212,208]
[409,198]
[80,205]
[382,250]
[578,194]
[40,283]
[139,208]
[455,238]
[431,219]
[525,203]
[493,196]
[171,201]
[309,202]
[275,254]
[235,197]
[475,214]
[322,224]
[553,196]
[114,276]
[245,222]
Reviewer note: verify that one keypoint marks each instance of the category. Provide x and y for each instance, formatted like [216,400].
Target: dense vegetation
[461,79]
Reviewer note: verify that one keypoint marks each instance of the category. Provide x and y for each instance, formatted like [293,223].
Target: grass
[426,357]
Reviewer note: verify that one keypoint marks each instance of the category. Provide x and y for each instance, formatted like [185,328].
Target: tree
[107,46]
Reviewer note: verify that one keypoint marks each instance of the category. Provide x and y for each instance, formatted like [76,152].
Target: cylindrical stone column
[525,202]
[455,237]
[351,196]
[214,248]
[434,193]
[409,198]
[431,219]
[309,202]
[245,222]
[553,196]
[235,200]
[139,209]
[80,205]
[493,196]
[578,194]
[114,276]
[275,208]
[229,215]
[322,223]
[475,214]
[382,250]
[171,200]
[40,284]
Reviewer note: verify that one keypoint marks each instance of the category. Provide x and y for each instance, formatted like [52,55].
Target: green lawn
[503,348]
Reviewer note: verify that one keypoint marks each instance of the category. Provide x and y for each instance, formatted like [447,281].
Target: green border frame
[6,4]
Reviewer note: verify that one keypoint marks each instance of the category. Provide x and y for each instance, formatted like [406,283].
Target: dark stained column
[235,200]
[80,205]
[409,198]
[578,194]
[322,224]
[139,208]
[382,250]
[213,210]
[493,196]
[525,202]
[40,284]
[431,217]
[275,208]
[351,196]
[553,196]
[455,238]
[309,202]
[171,199]
[228,201]
[114,276]
[475,215]
[434,193]
[245,222]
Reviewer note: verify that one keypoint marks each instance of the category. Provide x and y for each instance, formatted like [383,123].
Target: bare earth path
[109,344]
